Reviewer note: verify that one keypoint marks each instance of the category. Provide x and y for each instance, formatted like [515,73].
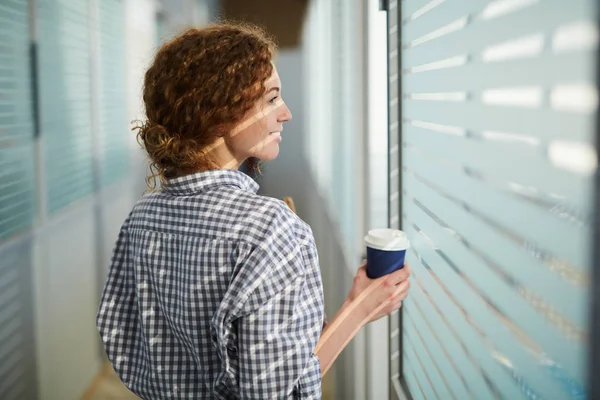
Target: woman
[213,290]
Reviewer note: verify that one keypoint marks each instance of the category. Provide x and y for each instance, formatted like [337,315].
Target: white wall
[65,268]
[377,165]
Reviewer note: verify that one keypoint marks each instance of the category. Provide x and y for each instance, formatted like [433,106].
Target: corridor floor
[108,386]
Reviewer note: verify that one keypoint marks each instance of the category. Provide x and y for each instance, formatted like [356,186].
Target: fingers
[362,270]
[400,275]
[402,290]
[392,306]
[393,303]
[401,293]
[397,305]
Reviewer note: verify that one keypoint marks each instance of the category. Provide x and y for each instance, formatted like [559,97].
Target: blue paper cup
[386,251]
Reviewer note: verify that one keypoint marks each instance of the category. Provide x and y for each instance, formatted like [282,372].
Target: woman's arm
[273,341]
[367,301]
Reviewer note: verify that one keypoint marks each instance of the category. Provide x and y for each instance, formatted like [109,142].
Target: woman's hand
[368,300]
[376,298]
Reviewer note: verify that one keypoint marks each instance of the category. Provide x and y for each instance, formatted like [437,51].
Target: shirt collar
[207,180]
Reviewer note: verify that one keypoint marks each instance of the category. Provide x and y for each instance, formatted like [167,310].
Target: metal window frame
[384,5]
[594,314]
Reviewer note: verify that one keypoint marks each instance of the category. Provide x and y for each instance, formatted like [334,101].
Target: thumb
[362,270]
[363,265]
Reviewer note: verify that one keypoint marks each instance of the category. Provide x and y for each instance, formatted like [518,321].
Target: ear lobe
[220,131]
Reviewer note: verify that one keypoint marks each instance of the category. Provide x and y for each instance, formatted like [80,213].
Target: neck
[220,153]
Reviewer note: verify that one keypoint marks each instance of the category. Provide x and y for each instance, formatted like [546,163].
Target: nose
[284,113]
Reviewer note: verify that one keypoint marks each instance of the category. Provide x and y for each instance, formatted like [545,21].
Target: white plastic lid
[387,239]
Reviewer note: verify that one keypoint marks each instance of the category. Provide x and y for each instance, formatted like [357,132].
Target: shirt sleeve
[118,298]
[276,340]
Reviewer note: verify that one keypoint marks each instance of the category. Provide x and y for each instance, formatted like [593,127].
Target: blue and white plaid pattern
[214,292]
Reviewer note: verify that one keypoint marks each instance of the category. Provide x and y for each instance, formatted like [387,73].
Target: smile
[277,135]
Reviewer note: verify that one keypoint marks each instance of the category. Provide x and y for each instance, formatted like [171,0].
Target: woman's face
[259,133]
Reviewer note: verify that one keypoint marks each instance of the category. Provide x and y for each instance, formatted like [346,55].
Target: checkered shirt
[214,292]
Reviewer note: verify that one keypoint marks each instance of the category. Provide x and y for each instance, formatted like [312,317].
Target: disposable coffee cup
[386,251]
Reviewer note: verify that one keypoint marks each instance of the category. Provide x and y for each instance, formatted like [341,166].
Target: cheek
[250,136]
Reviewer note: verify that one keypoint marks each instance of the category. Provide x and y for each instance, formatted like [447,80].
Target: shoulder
[284,255]
[274,222]
[228,213]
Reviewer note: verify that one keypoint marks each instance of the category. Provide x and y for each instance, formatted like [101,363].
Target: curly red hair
[199,86]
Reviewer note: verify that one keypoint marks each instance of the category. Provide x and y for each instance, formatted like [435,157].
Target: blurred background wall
[71,169]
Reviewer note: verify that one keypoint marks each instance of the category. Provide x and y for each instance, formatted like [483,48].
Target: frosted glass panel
[114,134]
[498,114]
[16,121]
[65,100]
[18,374]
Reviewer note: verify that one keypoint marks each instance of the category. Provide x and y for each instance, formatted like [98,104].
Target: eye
[272,101]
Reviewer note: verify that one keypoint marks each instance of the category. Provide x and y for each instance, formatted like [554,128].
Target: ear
[221,131]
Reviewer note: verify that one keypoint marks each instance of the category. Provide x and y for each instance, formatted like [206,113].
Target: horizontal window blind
[65,100]
[17,199]
[498,114]
[114,134]
[17,355]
